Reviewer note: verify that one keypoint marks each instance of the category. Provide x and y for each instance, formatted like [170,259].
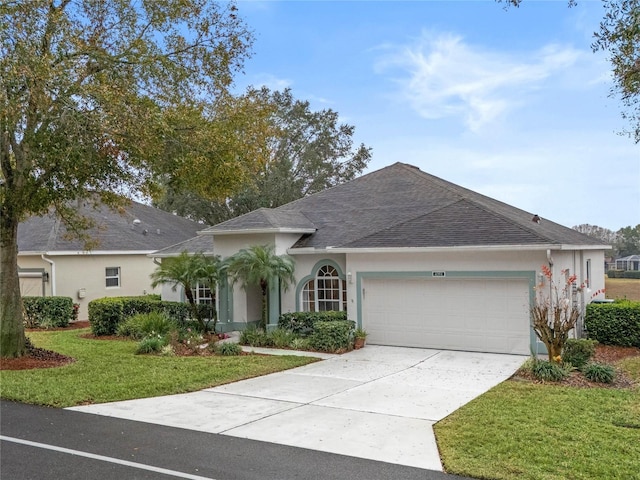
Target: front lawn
[108,370]
[522,430]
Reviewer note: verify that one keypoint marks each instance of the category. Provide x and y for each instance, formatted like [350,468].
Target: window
[202,294]
[589,273]
[326,292]
[112,276]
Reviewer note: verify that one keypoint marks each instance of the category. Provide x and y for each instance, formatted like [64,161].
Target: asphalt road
[53,444]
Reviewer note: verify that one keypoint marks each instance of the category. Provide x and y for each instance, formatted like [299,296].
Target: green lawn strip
[520,430]
[108,370]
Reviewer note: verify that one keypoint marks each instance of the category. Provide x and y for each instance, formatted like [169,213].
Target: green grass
[521,430]
[108,370]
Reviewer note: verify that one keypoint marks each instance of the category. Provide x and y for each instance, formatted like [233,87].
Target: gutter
[53,273]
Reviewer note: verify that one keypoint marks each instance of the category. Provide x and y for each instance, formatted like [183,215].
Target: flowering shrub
[554,313]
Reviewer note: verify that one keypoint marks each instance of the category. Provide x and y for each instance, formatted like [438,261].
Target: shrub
[331,336]
[300,343]
[578,352]
[623,273]
[281,338]
[48,312]
[151,344]
[547,371]
[302,323]
[616,323]
[599,372]
[228,349]
[104,315]
[144,324]
[255,337]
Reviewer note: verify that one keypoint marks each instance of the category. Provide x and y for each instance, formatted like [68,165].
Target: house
[631,262]
[50,263]
[413,259]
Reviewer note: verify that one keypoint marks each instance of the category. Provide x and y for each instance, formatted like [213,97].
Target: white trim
[89,252]
[493,248]
[103,458]
[171,255]
[253,231]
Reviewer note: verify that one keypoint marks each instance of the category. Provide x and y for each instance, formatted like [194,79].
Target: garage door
[484,315]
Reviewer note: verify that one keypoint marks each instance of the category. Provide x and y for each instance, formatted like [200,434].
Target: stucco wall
[87,271]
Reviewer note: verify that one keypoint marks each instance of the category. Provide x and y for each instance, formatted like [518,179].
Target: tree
[308,151]
[628,242]
[188,271]
[95,96]
[619,35]
[599,233]
[259,266]
[554,313]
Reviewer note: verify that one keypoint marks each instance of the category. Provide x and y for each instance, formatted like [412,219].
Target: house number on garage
[438,274]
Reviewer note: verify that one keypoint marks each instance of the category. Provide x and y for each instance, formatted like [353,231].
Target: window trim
[117,276]
[302,285]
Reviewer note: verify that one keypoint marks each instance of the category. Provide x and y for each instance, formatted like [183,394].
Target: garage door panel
[489,315]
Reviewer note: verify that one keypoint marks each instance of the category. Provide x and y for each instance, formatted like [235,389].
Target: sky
[510,103]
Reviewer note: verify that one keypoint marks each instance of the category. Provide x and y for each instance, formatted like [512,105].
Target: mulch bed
[604,354]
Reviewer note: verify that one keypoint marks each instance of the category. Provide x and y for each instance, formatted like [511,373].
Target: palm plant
[260,266]
[187,271]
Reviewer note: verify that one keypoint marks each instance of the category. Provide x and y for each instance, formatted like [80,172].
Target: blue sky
[512,104]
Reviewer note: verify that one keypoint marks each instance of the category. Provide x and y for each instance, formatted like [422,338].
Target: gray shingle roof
[266,219]
[115,230]
[401,206]
[200,244]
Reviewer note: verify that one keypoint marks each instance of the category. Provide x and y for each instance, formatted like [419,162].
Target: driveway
[378,403]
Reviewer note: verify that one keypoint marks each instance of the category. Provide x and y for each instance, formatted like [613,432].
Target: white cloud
[441,76]
[271,81]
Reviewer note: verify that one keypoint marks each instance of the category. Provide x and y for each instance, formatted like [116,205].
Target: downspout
[53,273]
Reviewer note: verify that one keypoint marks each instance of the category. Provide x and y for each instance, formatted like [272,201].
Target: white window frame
[108,277]
[202,294]
[315,290]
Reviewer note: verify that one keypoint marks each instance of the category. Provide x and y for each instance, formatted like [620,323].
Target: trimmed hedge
[48,312]
[331,336]
[302,323]
[615,323]
[105,314]
[623,273]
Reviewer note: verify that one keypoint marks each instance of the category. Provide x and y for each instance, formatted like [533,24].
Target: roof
[400,206]
[629,258]
[136,227]
[200,244]
[265,219]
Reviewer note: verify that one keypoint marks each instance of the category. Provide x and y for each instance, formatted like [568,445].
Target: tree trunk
[263,287]
[12,339]
[195,309]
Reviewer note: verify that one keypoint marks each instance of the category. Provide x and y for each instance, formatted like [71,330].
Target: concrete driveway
[378,403]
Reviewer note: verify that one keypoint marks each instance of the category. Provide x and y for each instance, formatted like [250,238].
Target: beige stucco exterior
[71,273]
[354,266]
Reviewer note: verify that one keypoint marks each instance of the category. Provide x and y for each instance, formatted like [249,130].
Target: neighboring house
[413,259]
[52,264]
[632,262]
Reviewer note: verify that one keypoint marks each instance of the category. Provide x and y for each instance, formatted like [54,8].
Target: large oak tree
[95,95]
[306,151]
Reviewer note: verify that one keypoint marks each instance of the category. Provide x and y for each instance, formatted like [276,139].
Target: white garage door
[484,315]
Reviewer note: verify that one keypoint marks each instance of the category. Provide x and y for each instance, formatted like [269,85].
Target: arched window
[326,292]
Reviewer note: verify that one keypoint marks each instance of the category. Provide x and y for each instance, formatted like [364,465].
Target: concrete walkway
[378,403]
